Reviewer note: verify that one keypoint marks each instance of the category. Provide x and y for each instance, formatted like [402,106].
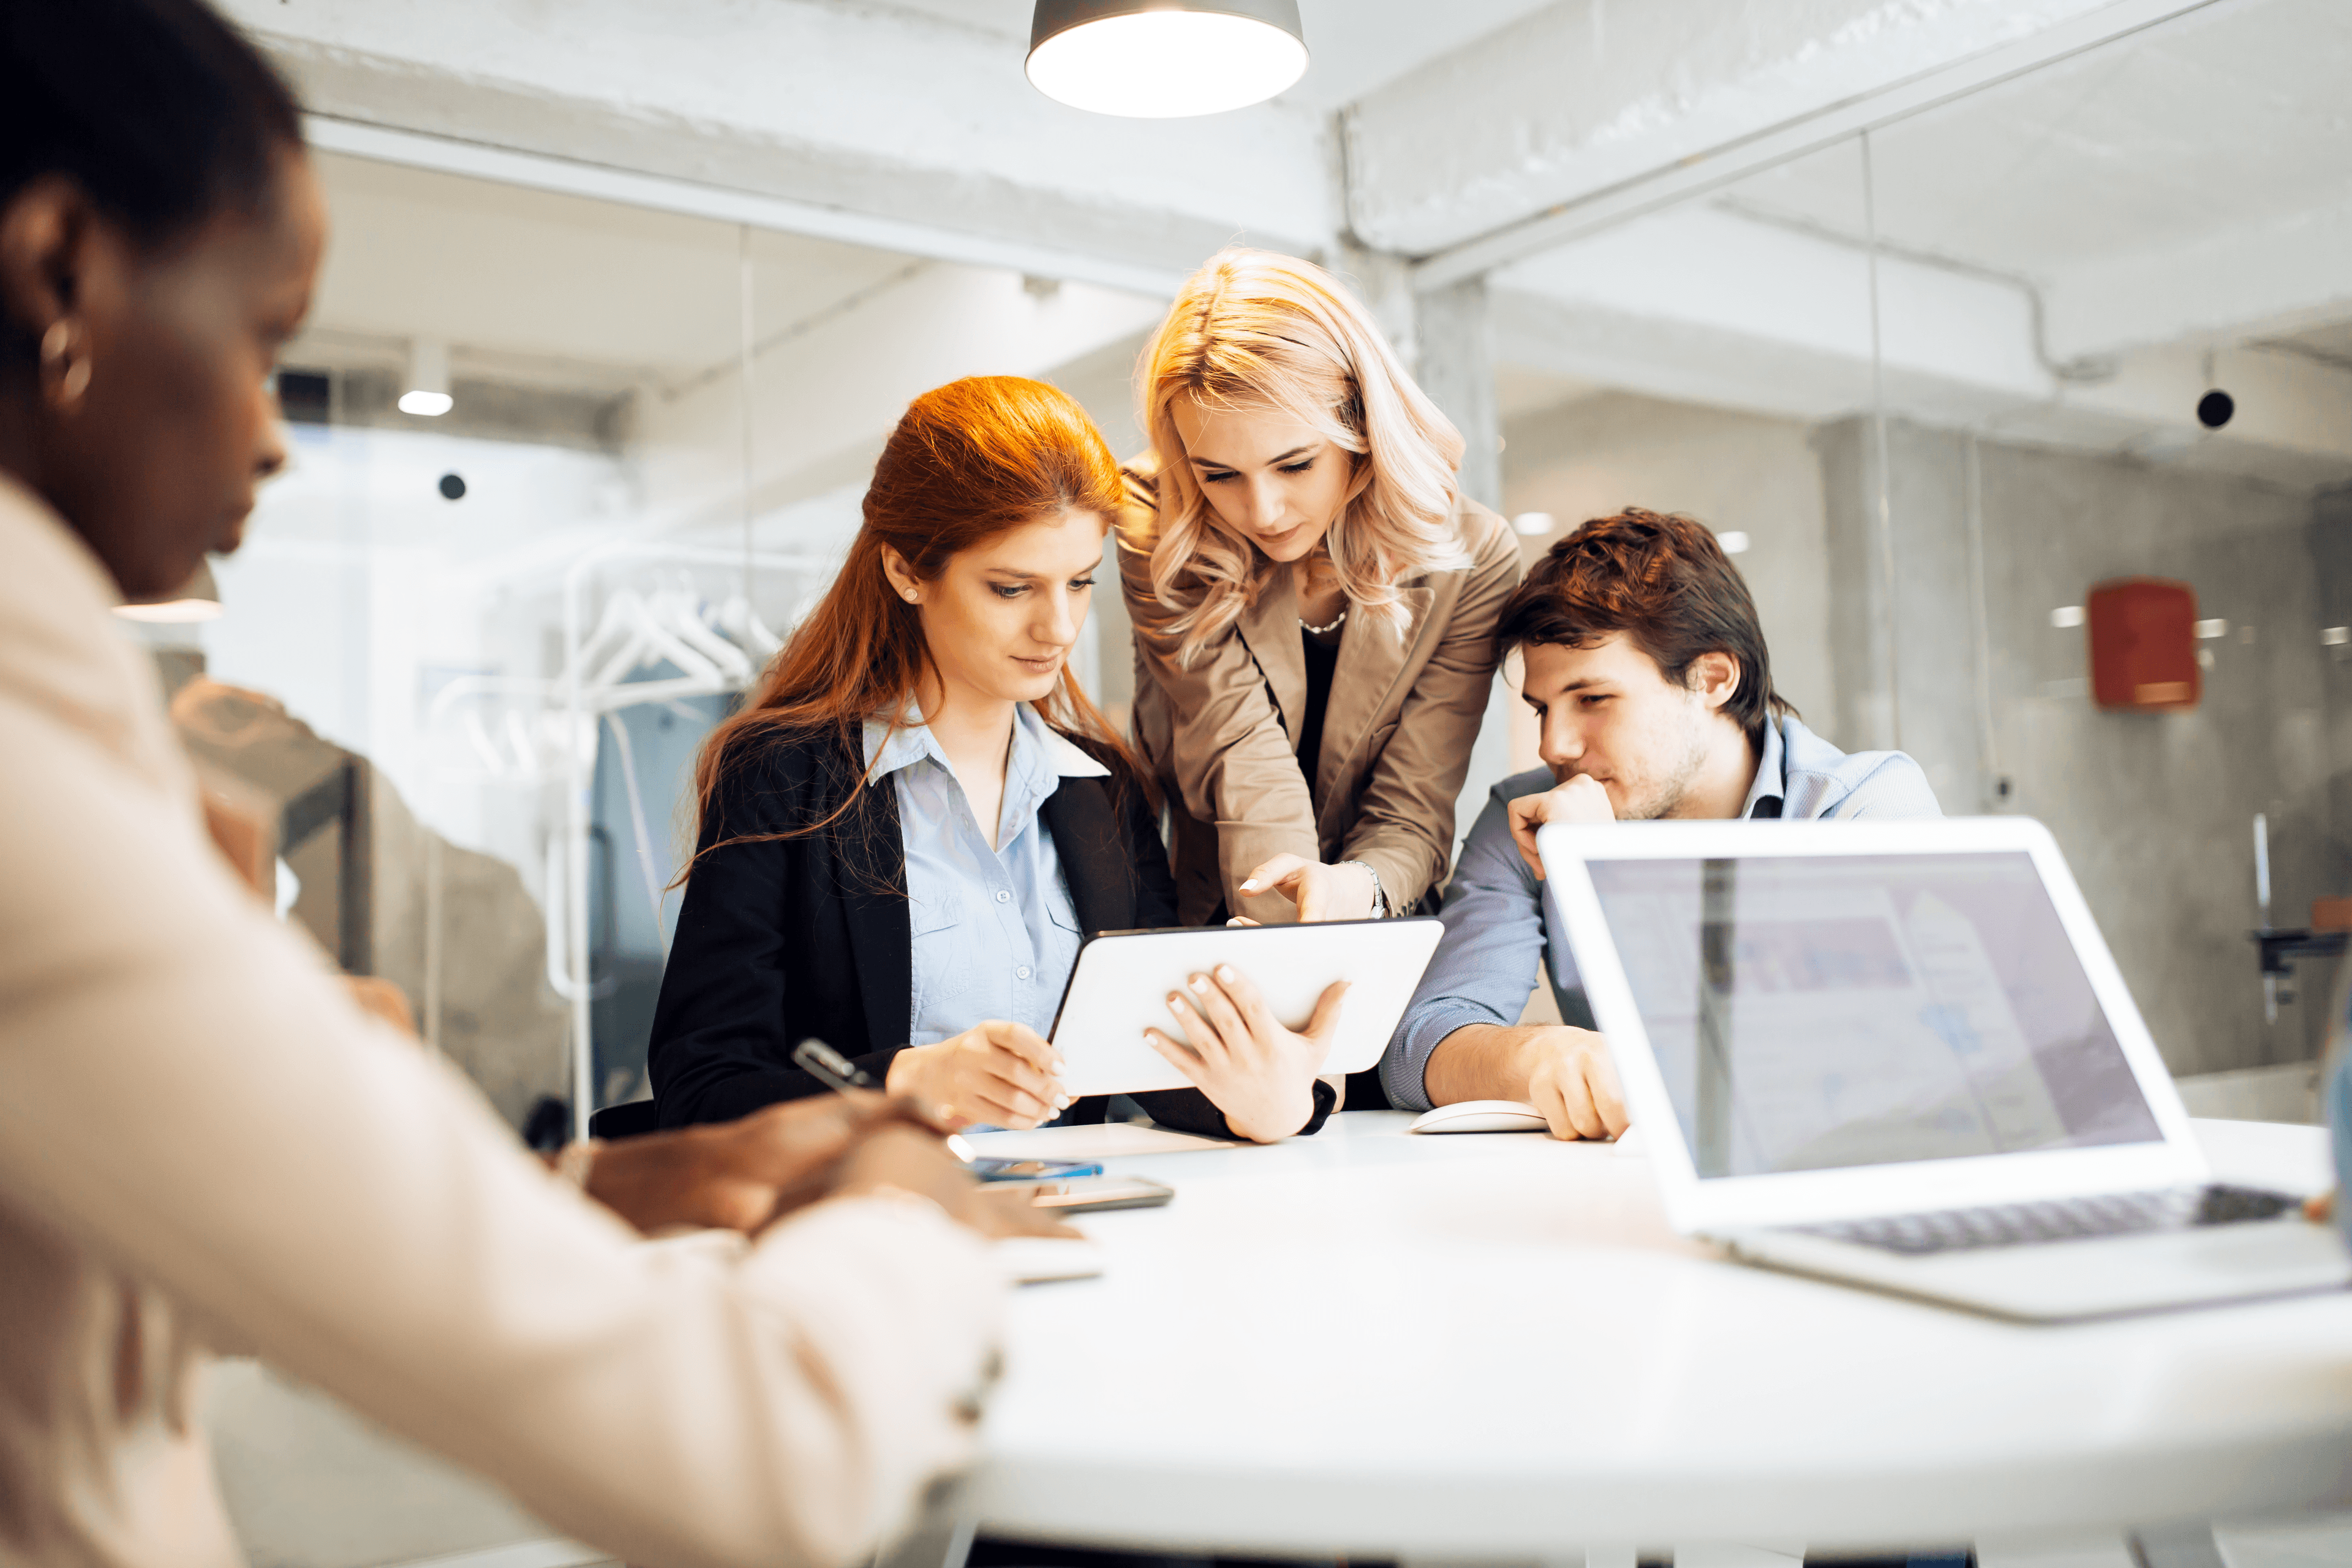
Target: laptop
[1899,1055]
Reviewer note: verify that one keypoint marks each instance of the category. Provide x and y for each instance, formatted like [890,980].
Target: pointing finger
[1274,873]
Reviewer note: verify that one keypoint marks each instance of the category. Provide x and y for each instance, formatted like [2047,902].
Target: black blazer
[808,935]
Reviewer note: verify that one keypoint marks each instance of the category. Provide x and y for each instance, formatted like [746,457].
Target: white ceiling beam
[1701,270]
[567,176]
[917,133]
[1709,306]
[2236,283]
[1589,114]
[823,401]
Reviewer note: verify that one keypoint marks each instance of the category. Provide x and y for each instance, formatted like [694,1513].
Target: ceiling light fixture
[1161,60]
[428,380]
[198,599]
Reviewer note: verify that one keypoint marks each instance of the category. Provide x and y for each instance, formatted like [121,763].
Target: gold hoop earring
[70,372]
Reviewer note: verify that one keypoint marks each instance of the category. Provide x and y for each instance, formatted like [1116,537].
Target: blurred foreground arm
[196,1109]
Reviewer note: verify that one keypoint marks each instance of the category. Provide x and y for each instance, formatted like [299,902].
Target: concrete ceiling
[2073,256]
[594,292]
[2230,118]
[2062,248]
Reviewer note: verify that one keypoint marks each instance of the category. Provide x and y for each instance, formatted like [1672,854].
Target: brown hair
[1660,578]
[970,460]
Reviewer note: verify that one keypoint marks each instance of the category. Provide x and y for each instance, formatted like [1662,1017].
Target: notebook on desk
[1900,1054]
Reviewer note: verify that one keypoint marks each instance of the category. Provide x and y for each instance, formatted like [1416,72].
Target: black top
[785,938]
[1322,659]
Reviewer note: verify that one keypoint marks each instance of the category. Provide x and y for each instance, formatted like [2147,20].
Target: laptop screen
[1816,1013]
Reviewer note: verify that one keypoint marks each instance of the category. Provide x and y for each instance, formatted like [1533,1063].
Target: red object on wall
[2144,646]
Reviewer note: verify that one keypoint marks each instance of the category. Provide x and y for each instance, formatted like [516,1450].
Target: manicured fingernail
[1063,1103]
[1174,997]
[1225,973]
[1250,886]
[1060,1067]
[1200,985]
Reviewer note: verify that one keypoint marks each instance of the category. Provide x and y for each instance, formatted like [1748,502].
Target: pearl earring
[58,358]
[910,595]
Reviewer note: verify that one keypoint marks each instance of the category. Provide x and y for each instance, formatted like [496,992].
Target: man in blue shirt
[1647,669]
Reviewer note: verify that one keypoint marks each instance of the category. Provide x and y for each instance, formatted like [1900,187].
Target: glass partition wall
[1941,382]
[465,657]
[1934,384]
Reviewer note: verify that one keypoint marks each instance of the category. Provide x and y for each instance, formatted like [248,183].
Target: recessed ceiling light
[1162,60]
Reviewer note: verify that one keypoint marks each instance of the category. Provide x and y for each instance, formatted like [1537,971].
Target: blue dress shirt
[995,933]
[1501,931]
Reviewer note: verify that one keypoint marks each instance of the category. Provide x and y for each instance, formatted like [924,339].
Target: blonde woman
[1314,601]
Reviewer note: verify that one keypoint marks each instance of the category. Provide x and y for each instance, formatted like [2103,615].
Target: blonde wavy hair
[1253,331]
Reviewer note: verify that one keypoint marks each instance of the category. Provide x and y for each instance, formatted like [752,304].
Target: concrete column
[1455,360]
[1455,366]
[1904,644]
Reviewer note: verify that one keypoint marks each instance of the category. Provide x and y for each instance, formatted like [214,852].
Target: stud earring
[910,595]
[68,372]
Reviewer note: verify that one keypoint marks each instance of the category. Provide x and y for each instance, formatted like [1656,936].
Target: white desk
[1491,1346]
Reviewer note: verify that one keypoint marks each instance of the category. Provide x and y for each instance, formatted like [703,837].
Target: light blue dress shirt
[995,933]
[1501,930]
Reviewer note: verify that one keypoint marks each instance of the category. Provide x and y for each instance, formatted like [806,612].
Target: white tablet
[1120,983]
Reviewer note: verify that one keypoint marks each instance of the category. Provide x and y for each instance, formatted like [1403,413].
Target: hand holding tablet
[1260,1074]
[1120,993]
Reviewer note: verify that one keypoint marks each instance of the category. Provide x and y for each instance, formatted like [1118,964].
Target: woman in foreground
[201,1137]
[907,832]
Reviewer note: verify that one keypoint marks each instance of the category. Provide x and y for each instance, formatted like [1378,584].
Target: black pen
[841,1075]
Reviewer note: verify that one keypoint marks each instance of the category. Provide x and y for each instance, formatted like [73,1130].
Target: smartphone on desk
[1095,1193]
[1034,1170]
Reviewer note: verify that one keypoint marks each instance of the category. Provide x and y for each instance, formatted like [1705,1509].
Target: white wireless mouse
[1481,1116]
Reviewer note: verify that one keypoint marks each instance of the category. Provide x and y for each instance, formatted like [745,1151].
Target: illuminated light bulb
[1164,59]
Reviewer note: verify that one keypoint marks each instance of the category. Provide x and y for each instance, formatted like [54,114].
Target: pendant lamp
[427,392]
[1161,59]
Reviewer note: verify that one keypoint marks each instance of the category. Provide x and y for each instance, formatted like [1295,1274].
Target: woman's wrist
[903,1078]
[1289,1122]
[1376,900]
[1283,1115]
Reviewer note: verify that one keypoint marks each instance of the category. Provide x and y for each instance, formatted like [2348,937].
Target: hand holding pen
[896,1159]
[842,1075]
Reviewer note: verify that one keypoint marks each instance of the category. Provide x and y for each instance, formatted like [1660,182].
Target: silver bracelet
[1380,894]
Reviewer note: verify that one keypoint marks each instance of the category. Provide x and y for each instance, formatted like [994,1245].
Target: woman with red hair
[906,831]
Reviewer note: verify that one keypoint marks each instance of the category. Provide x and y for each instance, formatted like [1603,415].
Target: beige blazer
[202,1141]
[1223,734]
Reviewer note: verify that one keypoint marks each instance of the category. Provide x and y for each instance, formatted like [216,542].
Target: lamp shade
[1161,60]
[428,380]
[197,599]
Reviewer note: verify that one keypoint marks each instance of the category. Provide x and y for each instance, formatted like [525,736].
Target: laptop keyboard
[2064,1219]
